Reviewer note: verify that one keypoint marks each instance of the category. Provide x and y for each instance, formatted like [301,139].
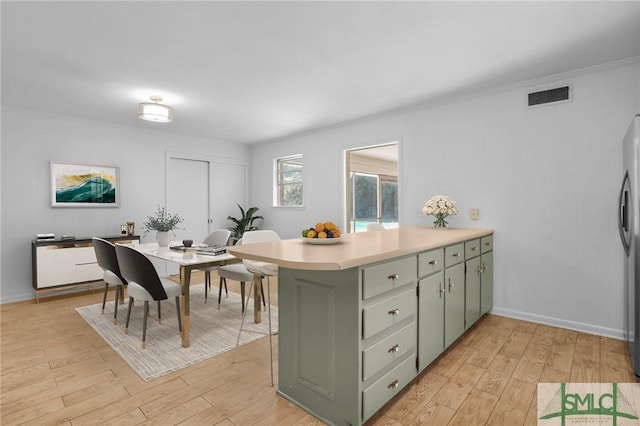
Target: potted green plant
[163,222]
[243,224]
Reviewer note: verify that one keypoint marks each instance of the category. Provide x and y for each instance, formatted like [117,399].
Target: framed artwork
[79,185]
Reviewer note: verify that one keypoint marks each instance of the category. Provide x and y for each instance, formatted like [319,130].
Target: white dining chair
[236,272]
[217,238]
[259,270]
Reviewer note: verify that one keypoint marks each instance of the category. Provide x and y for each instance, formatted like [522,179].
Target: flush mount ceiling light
[155,111]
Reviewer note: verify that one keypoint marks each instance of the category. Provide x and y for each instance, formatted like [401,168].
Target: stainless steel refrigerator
[629,226]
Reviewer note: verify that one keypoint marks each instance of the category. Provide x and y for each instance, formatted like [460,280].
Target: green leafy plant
[162,221]
[243,224]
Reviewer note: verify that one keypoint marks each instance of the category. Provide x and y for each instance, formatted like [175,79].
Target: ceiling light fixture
[155,111]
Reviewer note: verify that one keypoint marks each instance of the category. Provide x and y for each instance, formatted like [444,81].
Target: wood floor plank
[455,391]
[433,414]
[414,399]
[513,406]
[475,410]
[516,344]
[496,377]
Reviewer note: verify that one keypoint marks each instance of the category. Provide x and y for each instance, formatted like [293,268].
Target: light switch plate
[473,214]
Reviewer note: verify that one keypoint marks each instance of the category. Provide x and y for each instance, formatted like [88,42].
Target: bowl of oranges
[322,233]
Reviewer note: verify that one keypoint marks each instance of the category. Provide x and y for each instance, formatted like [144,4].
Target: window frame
[279,183]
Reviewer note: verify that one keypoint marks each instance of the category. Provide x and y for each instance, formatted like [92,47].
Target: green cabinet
[351,339]
[431,318]
[486,282]
[453,303]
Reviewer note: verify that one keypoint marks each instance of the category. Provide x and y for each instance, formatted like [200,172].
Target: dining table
[189,260]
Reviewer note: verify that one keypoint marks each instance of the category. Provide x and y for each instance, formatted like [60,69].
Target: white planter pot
[162,237]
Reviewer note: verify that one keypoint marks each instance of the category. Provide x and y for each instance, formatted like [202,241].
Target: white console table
[61,264]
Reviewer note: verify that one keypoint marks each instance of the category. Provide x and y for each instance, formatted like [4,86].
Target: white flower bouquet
[440,207]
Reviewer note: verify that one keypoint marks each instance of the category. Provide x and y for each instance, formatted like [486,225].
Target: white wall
[31,139]
[546,179]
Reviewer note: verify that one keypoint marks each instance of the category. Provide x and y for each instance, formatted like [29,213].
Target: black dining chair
[107,260]
[145,285]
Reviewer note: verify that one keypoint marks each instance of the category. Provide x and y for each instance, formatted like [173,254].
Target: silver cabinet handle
[487,244]
[394,312]
[456,255]
[393,385]
[442,290]
[394,276]
[433,262]
[394,348]
[474,248]
[450,285]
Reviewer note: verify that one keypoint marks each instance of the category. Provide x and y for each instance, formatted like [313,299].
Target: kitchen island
[358,320]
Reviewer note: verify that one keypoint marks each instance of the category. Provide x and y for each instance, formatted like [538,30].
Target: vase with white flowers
[440,207]
[162,223]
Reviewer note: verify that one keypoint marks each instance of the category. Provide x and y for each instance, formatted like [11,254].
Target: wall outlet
[473,214]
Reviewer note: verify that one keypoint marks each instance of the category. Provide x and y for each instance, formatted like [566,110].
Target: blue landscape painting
[84,185]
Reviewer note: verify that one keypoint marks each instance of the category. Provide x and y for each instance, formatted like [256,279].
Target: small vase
[440,222]
[162,237]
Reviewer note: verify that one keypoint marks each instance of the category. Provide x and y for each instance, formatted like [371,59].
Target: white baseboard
[558,322]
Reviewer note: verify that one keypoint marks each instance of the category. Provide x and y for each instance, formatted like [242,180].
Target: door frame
[347,178]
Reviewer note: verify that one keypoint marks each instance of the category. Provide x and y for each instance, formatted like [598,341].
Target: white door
[188,196]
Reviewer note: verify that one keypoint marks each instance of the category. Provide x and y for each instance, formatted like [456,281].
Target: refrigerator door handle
[623,213]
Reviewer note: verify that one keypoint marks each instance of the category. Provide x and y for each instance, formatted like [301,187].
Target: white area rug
[213,331]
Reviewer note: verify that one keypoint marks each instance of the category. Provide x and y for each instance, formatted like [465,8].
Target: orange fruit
[329,226]
[322,234]
[319,227]
[336,233]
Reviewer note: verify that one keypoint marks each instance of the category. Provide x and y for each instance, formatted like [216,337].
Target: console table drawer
[381,278]
[382,390]
[390,349]
[430,262]
[393,310]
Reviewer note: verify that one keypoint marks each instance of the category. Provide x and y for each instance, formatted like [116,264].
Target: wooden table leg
[185,278]
[257,298]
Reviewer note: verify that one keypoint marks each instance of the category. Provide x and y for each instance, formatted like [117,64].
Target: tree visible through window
[289,182]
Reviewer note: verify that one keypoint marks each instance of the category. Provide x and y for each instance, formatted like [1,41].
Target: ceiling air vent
[558,94]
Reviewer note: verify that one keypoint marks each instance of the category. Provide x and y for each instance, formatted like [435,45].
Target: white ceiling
[254,71]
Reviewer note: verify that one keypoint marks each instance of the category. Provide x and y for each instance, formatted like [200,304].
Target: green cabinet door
[486,282]
[431,319]
[454,303]
[472,292]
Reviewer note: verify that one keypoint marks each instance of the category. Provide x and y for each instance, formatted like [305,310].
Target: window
[288,182]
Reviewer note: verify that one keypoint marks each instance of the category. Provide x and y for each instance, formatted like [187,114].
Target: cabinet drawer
[453,254]
[430,262]
[393,310]
[88,272]
[486,243]
[380,278]
[389,350]
[472,248]
[388,386]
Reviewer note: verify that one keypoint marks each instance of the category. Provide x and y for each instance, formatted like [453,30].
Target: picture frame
[83,185]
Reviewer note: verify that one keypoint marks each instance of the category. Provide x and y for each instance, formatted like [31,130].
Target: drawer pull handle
[474,248]
[394,312]
[487,244]
[456,255]
[393,276]
[393,385]
[450,285]
[433,262]
[394,348]
[442,290]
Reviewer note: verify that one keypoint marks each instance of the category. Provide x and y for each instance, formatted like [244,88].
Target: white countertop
[355,249]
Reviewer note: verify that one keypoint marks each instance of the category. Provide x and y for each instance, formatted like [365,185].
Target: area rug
[213,331]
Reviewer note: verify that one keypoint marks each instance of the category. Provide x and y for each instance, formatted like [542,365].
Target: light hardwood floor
[56,370]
